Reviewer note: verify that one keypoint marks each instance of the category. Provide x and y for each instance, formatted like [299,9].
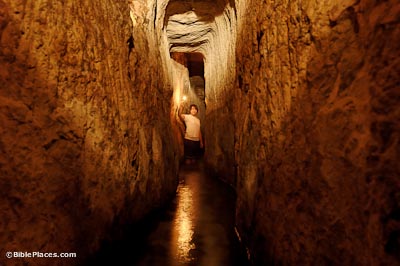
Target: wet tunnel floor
[195,229]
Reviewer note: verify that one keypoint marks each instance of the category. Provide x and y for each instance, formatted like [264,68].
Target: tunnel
[299,109]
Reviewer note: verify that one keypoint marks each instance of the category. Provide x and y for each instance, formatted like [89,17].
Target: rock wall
[317,132]
[85,137]
[219,73]
[207,28]
[309,124]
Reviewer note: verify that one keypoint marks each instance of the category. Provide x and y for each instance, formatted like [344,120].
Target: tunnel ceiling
[189,24]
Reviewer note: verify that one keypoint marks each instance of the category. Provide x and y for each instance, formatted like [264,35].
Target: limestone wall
[219,68]
[317,132]
[302,104]
[85,137]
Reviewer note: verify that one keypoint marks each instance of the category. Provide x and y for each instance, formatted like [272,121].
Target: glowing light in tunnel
[183,229]
[184,98]
[178,86]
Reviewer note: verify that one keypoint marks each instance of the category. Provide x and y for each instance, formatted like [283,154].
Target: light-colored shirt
[192,128]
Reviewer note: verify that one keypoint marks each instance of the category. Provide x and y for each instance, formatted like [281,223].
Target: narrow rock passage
[196,228]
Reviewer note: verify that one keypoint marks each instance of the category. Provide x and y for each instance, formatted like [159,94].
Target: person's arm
[181,116]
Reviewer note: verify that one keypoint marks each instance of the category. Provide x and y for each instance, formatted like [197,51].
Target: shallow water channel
[196,228]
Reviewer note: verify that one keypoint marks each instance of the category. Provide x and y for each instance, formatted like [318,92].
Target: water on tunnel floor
[195,229]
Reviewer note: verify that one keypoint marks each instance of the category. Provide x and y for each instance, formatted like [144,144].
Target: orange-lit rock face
[317,124]
[311,127]
[302,119]
[85,138]
[208,28]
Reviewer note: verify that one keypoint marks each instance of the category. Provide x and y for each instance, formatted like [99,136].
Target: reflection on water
[183,226]
[195,229]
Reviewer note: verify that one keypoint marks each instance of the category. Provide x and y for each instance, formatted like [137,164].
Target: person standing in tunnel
[193,140]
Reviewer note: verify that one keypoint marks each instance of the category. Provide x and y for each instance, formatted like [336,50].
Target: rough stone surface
[85,137]
[209,28]
[317,132]
[301,101]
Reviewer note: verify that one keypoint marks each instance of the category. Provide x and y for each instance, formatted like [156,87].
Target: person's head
[194,109]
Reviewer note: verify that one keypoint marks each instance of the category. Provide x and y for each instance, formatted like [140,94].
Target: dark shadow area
[195,64]
[131,245]
[195,228]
